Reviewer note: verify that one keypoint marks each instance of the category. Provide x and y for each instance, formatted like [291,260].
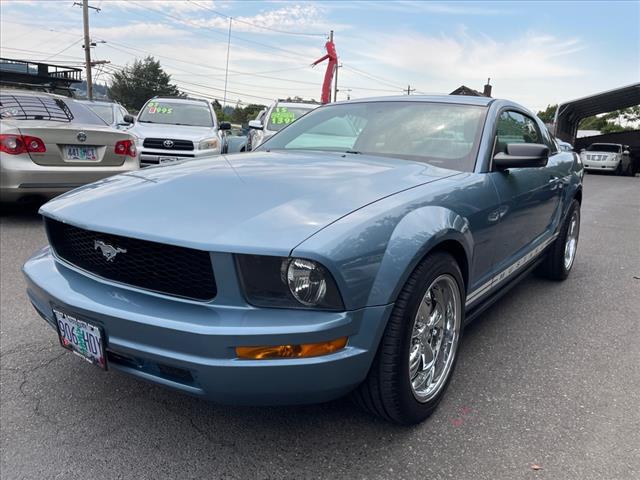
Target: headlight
[288,283]
[208,144]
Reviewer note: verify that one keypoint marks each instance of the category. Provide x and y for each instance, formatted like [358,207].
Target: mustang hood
[262,202]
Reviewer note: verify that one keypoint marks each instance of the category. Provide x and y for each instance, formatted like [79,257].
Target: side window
[514,127]
[119,115]
[548,141]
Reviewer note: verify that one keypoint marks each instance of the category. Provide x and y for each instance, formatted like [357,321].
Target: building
[464,90]
[39,76]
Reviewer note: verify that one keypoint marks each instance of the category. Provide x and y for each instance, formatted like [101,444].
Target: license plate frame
[164,160]
[70,156]
[94,344]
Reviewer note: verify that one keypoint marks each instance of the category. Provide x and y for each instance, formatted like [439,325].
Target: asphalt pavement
[547,387]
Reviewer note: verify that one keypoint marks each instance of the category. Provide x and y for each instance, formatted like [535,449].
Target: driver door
[529,197]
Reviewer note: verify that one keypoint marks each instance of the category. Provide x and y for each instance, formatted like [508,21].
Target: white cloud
[173,6]
[138,29]
[466,55]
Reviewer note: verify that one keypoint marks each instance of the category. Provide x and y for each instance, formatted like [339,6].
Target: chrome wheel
[571,242]
[434,337]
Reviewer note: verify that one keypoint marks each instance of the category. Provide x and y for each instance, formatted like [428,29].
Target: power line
[64,49]
[313,85]
[246,22]
[296,55]
[373,77]
[221,89]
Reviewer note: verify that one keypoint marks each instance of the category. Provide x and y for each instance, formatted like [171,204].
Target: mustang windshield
[442,134]
[176,113]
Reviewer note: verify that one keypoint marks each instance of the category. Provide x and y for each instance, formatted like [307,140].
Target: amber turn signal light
[291,351]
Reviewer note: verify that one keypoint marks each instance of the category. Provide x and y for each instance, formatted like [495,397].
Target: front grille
[162,268]
[171,144]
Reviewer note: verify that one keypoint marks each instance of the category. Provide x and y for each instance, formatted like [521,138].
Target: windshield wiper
[145,121]
[353,152]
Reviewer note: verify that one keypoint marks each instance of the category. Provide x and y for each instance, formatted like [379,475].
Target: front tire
[631,171]
[418,350]
[618,170]
[561,255]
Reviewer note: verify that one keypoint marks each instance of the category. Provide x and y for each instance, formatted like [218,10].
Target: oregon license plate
[168,159]
[81,338]
[80,153]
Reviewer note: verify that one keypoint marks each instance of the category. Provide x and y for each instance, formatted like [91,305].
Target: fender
[402,237]
[416,234]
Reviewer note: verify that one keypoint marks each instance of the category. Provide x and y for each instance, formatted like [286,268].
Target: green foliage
[137,83]
[607,123]
[237,114]
[548,115]
[612,122]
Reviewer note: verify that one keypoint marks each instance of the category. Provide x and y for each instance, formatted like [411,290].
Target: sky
[536,53]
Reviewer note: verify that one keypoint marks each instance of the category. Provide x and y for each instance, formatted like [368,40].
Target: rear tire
[405,383]
[561,255]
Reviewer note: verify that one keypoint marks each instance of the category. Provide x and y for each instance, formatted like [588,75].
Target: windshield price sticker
[155,107]
[282,116]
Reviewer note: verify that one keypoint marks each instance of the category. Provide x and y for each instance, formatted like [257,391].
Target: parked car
[170,129]
[309,269]
[111,113]
[50,144]
[612,157]
[564,146]
[280,114]
[235,140]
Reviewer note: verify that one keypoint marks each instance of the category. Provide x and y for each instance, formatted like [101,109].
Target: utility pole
[409,89]
[87,47]
[226,70]
[87,44]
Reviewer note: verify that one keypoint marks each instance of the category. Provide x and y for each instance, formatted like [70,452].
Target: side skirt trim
[479,292]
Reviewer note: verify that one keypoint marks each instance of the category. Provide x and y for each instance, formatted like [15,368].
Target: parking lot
[547,386]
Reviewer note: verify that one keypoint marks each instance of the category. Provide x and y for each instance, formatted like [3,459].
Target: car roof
[297,104]
[97,102]
[459,99]
[194,101]
[33,93]
[604,143]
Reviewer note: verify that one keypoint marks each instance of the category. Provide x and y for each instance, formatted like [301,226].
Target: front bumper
[149,156]
[607,166]
[20,177]
[191,346]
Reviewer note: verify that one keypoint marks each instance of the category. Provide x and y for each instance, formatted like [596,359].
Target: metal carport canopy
[569,114]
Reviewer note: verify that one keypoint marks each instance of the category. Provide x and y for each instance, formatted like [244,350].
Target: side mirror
[129,119]
[626,152]
[522,155]
[225,126]
[583,150]
[256,124]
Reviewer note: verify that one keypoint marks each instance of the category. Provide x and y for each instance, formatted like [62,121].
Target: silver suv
[169,129]
[270,121]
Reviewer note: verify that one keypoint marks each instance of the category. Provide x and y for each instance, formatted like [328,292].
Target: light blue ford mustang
[345,255]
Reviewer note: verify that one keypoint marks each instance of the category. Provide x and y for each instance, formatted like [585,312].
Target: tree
[137,83]
[549,114]
[612,122]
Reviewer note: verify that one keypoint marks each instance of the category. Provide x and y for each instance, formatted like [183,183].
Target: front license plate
[81,338]
[168,159]
[80,153]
